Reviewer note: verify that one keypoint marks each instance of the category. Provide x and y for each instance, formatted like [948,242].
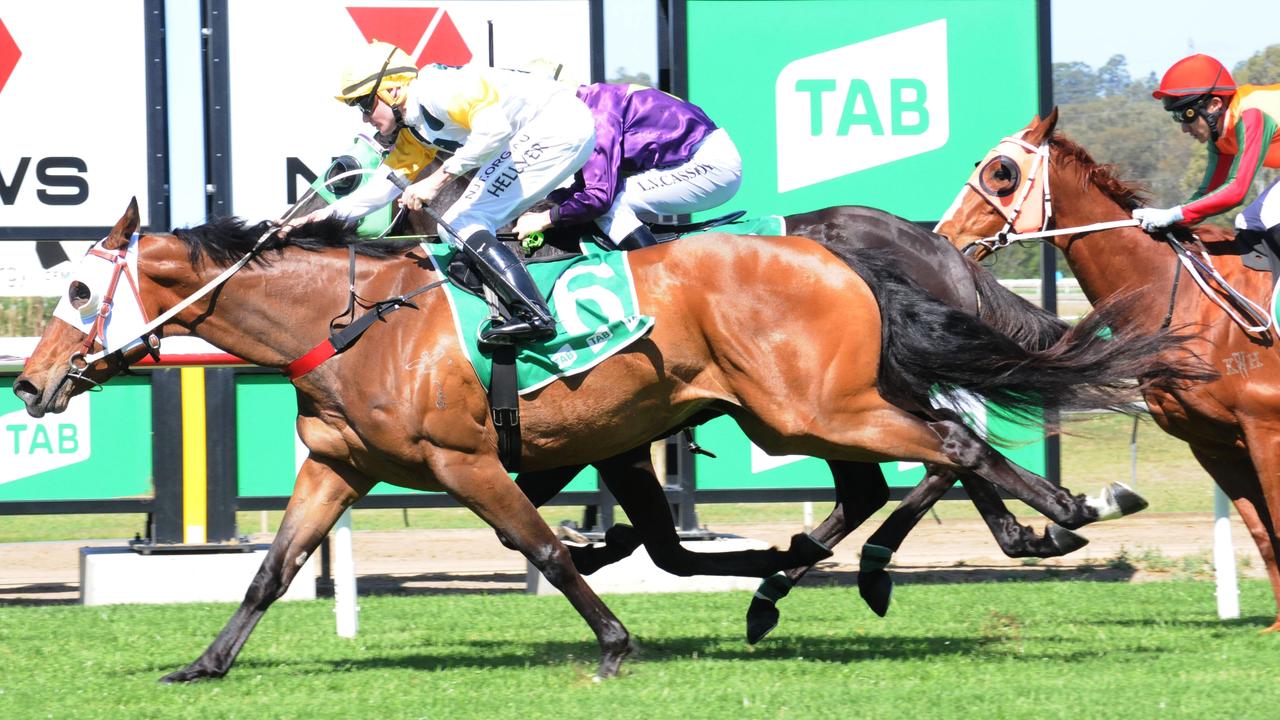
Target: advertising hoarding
[80,114]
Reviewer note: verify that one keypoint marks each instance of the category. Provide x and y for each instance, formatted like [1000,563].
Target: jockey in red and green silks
[1241,126]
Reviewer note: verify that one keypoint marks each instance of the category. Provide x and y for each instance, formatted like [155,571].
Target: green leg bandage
[874,557]
[774,588]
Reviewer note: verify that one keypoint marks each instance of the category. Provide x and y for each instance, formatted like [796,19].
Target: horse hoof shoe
[876,589]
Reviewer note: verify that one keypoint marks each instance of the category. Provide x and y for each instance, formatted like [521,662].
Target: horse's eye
[78,294]
[1000,176]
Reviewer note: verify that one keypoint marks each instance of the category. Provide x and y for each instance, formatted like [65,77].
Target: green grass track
[983,650]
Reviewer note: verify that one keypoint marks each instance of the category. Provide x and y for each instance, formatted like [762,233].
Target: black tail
[928,347]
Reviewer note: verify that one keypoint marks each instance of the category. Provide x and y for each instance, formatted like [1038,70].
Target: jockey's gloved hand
[533,222]
[1153,219]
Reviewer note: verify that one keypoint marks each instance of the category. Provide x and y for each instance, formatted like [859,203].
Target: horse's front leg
[322,492]
[619,541]
[631,479]
[1239,477]
[860,491]
[480,483]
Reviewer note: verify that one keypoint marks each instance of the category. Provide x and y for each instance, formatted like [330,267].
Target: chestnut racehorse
[779,333]
[1232,423]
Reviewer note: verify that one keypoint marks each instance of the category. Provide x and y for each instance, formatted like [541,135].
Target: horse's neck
[1123,260]
[268,315]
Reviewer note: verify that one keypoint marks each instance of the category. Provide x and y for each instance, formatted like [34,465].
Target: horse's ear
[1039,129]
[125,227]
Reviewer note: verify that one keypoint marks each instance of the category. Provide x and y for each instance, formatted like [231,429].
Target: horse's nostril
[25,389]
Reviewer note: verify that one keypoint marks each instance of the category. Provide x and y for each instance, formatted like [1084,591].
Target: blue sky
[1151,34]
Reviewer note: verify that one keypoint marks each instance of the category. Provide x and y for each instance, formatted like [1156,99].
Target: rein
[79,362]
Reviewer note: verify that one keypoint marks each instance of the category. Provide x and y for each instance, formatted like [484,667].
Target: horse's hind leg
[1015,539]
[964,448]
[860,491]
[631,479]
[322,492]
[874,582]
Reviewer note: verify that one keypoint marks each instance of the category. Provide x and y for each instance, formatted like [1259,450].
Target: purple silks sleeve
[637,129]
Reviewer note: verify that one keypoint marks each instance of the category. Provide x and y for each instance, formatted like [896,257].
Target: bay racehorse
[1232,423]
[860,488]
[403,405]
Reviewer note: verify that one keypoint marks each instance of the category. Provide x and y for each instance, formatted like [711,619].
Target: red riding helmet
[1192,78]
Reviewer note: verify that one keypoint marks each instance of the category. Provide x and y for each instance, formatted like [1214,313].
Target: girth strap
[504,405]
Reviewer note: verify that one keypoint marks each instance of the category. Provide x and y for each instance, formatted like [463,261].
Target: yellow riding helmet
[375,68]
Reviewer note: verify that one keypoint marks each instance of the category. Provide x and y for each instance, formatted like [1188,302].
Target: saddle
[504,386]
[1259,251]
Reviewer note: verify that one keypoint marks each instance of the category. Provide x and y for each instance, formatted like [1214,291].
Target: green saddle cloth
[765,225]
[592,297]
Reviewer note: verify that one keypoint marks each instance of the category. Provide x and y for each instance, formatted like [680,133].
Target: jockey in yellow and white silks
[523,135]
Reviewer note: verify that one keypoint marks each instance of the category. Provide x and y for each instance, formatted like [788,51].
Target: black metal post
[1048,254]
[220,423]
[166,455]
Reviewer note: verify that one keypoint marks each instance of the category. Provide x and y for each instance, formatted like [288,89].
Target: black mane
[223,241]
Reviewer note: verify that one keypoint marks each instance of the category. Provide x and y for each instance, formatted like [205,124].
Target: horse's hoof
[876,588]
[623,537]
[1116,500]
[807,550]
[186,675]
[1064,541]
[762,618]
[1126,499]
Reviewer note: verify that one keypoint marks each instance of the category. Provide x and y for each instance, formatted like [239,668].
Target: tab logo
[862,105]
[31,446]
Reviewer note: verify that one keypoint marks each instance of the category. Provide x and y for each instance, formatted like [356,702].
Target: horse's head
[1007,192]
[94,332]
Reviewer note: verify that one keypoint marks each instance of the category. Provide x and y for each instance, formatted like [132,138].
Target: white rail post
[1224,557]
[344,578]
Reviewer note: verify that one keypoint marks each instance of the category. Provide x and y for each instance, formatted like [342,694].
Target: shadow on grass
[40,594]
[482,655]
[447,583]
[825,575]
[1259,622]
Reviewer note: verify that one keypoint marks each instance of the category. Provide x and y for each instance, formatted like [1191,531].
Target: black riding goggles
[1186,115]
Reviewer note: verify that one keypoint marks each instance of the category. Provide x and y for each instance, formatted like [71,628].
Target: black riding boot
[638,238]
[510,280]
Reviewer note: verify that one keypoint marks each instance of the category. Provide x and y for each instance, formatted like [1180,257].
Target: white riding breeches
[708,179]
[1264,212]
[540,156]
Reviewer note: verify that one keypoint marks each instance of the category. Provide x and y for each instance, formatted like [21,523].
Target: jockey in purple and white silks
[655,155]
